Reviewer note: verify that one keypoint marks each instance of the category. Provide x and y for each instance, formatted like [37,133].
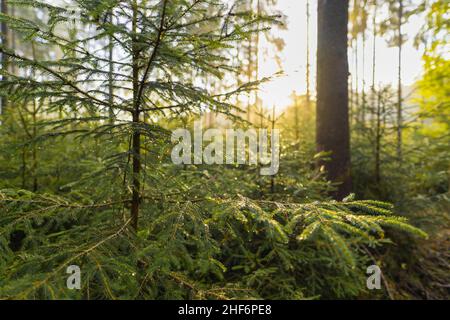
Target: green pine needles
[97,89]
[203,248]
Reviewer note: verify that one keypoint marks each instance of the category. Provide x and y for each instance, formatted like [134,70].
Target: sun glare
[288,72]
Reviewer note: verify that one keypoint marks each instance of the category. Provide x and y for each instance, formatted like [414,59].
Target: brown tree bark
[400,94]
[363,94]
[136,136]
[374,47]
[333,132]
[111,72]
[250,65]
[308,51]
[138,93]
[3,58]
[297,118]
[378,140]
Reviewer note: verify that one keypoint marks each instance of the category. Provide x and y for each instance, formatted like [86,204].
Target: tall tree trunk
[34,165]
[34,156]
[296,118]
[138,93]
[378,140]
[24,167]
[272,178]
[351,86]
[374,97]
[4,59]
[308,51]
[111,73]
[12,36]
[250,57]
[356,102]
[355,37]
[363,97]
[259,11]
[400,94]
[136,139]
[374,48]
[333,132]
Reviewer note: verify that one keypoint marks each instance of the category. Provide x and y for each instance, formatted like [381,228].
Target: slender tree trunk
[12,36]
[363,97]
[373,95]
[237,63]
[374,48]
[138,93]
[333,132]
[257,102]
[351,89]
[136,139]
[400,94]
[259,106]
[374,55]
[378,141]
[357,106]
[4,59]
[308,53]
[34,162]
[355,81]
[297,119]
[24,157]
[272,178]
[34,155]
[250,57]
[111,73]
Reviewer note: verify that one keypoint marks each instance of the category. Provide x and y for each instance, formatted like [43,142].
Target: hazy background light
[293,56]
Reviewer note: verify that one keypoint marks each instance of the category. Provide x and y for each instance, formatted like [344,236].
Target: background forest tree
[91,90]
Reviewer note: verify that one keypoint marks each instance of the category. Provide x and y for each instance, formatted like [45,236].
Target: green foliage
[85,139]
[418,184]
[210,248]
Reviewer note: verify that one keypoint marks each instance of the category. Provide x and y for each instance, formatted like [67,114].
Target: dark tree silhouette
[332,92]
[3,58]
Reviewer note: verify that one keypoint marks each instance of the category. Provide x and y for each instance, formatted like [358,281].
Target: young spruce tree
[121,74]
